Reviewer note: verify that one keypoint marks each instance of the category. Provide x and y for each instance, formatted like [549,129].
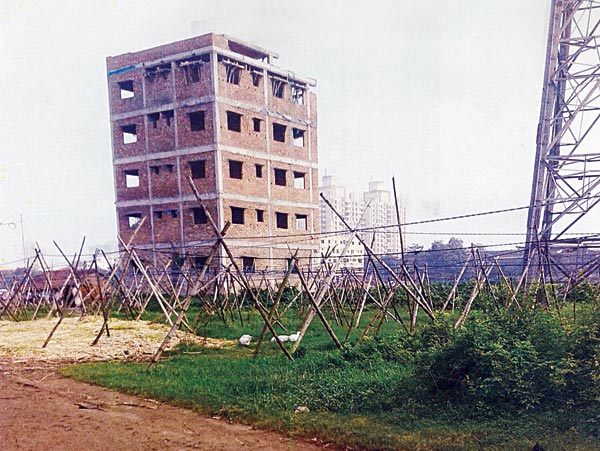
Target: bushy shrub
[509,362]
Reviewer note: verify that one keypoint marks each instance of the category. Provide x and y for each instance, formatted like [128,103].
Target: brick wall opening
[301,221]
[280,177]
[237,215]
[299,180]
[279,132]
[196,121]
[132,178]
[126,89]
[133,219]
[281,220]
[298,135]
[234,121]
[129,133]
[235,169]
[198,169]
[199,215]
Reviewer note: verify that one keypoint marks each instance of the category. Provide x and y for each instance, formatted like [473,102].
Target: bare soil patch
[42,410]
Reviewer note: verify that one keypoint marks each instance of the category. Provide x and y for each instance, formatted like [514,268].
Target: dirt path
[42,410]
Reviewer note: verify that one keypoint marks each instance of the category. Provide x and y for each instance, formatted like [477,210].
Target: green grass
[265,392]
[499,383]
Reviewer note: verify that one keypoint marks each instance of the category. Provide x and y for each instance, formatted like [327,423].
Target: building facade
[373,212]
[214,109]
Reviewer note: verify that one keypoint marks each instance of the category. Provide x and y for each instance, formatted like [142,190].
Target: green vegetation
[503,381]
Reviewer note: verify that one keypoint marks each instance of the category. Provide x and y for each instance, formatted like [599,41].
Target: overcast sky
[442,94]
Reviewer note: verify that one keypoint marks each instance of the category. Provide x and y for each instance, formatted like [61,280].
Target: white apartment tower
[370,211]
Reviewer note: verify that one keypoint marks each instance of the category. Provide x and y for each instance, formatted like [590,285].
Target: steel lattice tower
[566,178]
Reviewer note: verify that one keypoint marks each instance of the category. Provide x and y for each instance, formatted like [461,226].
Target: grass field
[501,382]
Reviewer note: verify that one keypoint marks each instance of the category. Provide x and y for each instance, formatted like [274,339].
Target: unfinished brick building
[216,109]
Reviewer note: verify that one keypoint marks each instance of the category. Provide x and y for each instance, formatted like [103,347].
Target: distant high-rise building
[370,211]
[215,109]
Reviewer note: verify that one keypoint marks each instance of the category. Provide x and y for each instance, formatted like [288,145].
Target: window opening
[198,169]
[191,70]
[281,220]
[199,215]
[196,121]
[235,169]
[126,89]
[158,214]
[155,170]
[290,264]
[154,117]
[237,215]
[256,124]
[129,134]
[301,222]
[297,95]
[280,177]
[248,264]
[279,132]
[169,168]
[234,121]
[152,72]
[257,76]
[298,137]
[299,178]
[200,262]
[260,216]
[232,70]
[132,178]
[133,219]
[173,213]
[168,116]
[259,170]
[277,87]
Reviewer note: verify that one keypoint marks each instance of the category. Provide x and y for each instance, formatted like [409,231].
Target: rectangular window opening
[237,215]
[133,219]
[153,118]
[196,121]
[259,170]
[132,178]
[299,178]
[256,124]
[260,216]
[129,134]
[297,95]
[158,214]
[233,70]
[199,215]
[248,264]
[191,70]
[155,170]
[298,137]
[281,220]
[279,132]
[126,89]
[301,222]
[169,168]
[198,169]
[199,262]
[168,116]
[234,121]
[277,87]
[233,74]
[235,169]
[280,177]
[173,213]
